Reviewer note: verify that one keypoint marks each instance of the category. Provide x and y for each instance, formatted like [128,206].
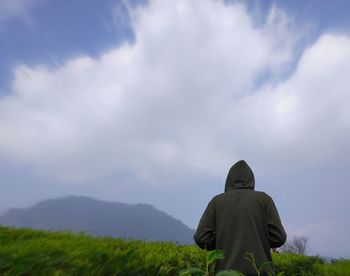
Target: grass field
[32,252]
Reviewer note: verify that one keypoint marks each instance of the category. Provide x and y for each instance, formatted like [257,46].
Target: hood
[240,176]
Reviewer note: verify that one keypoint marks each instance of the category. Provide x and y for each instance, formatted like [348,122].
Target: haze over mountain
[101,218]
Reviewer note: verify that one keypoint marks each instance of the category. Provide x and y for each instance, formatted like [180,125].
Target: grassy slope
[32,252]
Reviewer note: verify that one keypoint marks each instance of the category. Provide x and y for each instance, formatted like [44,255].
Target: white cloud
[311,107]
[182,99]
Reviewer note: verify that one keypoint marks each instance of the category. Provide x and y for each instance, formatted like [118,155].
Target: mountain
[100,218]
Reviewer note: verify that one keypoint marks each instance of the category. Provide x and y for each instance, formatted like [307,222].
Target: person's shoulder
[218,196]
[263,195]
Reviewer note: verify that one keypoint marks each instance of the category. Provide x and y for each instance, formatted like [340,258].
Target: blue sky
[154,101]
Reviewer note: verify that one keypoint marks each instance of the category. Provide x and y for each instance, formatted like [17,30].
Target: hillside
[100,218]
[33,252]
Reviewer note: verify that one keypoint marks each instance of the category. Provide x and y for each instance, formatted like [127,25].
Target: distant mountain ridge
[101,218]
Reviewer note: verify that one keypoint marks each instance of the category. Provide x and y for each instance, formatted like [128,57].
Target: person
[241,221]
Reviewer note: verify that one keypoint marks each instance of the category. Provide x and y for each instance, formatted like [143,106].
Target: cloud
[16,8]
[183,99]
[305,119]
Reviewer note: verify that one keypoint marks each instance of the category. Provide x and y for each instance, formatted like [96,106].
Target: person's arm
[205,233]
[277,234]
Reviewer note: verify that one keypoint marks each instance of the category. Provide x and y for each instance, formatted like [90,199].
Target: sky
[153,101]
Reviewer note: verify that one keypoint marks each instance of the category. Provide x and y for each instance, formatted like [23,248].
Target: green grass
[339,268]
[32,252]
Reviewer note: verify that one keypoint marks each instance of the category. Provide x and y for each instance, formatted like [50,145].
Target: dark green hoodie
[241,220]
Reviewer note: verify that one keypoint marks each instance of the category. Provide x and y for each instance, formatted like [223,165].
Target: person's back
[241,221]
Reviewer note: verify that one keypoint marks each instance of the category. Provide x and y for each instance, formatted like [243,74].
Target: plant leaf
[215,255]
[228,273]
[191,271]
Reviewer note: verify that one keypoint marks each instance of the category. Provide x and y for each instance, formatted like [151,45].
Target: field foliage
[32,252]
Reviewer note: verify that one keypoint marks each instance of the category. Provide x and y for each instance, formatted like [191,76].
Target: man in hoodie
[241,221]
